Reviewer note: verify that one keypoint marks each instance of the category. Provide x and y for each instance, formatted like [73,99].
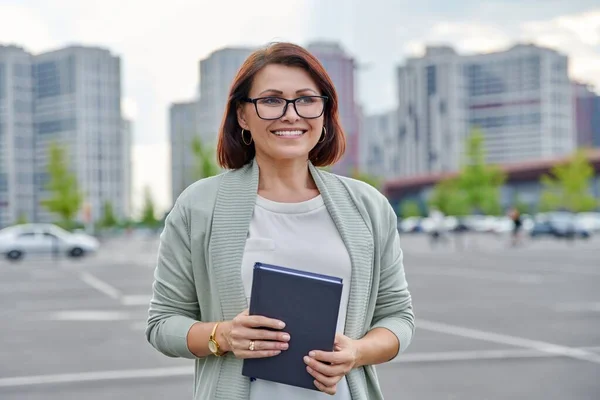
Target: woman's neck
[285,181]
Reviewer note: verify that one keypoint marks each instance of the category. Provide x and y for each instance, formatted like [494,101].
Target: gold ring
[251,347]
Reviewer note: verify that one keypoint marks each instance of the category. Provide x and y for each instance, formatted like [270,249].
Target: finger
[324,369]
[333,357]
[267,345]
[260,334]
[257,353]
[324,388]
[259,321]
[328,381]
[246,312]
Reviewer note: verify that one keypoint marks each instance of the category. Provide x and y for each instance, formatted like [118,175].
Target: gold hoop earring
[324,135]
[244,140]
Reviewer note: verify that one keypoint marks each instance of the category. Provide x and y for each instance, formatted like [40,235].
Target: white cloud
[129,108]
[465,37]
[24,26]
[577,35]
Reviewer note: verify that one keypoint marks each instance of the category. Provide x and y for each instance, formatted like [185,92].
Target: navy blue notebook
[309,304]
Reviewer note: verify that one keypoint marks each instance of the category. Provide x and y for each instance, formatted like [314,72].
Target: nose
[290,114]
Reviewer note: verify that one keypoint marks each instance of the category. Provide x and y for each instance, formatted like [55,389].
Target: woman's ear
[242,118]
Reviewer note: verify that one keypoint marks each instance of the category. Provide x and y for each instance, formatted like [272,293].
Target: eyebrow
[280,92]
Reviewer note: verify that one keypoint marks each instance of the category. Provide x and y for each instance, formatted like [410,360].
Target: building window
[47,80]
[431,80]
[45,127]
[2,81]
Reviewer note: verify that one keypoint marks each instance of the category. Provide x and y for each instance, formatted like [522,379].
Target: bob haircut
[232,153]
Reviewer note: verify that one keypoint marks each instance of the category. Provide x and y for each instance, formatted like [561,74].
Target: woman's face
[290,136]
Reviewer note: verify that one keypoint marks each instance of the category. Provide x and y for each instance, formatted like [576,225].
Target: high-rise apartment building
[432,121]
[17,195]
[519,98]
[78,104]
[217,72]
[71,97]
[587,115]
[183,120]
[379,145]
[341,68]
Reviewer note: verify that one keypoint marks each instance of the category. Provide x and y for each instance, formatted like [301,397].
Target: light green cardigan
[198,276]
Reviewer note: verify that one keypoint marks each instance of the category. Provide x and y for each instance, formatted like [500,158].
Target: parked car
[589,221]
[19,241]
[559,225]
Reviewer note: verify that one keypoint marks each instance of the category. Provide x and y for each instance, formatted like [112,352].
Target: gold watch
[213,345]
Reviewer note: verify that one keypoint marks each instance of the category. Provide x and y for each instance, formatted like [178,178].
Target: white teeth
[288,133]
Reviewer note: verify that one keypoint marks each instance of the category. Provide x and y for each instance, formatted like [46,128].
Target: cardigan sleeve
[393,308]
[174,304]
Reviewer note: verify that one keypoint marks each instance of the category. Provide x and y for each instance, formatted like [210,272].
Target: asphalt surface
[492,323]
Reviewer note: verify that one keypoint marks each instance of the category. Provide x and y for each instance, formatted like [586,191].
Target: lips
[288,133]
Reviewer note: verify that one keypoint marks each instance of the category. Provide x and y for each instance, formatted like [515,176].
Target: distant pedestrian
[515,216]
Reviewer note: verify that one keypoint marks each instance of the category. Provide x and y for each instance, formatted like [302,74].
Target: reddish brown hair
[232,153]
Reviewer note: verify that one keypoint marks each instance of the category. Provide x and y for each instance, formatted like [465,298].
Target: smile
[288,133]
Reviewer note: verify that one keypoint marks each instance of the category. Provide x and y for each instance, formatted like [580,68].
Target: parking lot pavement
[492,323]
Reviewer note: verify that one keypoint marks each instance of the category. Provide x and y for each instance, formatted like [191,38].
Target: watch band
[213,339]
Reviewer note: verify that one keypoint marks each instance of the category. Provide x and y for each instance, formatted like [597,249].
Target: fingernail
[306,359]
[284,346]
[312,354]
[281,324]
[286,337]
[309,369]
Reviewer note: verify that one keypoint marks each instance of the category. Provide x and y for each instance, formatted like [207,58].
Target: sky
[160,44]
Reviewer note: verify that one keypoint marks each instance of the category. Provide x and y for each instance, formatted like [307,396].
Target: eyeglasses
[270,108]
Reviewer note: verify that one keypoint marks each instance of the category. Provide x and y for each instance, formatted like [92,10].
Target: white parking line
[95,376]
[493,337]
[90,315]
[478,274]
[136,300]
[470,355]
[100,285]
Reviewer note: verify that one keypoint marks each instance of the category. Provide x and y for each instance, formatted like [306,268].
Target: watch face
[212,346]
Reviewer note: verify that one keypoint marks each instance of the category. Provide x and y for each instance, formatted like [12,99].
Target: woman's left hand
[341,361]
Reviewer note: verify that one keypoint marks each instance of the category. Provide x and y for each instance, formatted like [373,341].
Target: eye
[308,100]
[271,101]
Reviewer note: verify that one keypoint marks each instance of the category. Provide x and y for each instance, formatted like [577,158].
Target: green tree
[367,178]
[149,210]
[108,216]
[410,208]
[65,198]
[568,186]
[479,181]
[204,157]
[449,198]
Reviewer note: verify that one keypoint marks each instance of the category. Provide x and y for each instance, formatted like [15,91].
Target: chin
[289,155]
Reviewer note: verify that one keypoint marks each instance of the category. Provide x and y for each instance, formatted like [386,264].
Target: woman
[274,205]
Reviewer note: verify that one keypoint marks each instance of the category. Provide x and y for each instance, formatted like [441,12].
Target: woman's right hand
[244,329]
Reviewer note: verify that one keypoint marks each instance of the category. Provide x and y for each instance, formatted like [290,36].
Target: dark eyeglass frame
[287,103]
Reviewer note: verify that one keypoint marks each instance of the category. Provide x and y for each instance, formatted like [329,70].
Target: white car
[28,239]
